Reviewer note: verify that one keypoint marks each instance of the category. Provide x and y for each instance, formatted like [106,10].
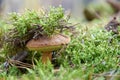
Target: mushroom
[115,4]
[48,44]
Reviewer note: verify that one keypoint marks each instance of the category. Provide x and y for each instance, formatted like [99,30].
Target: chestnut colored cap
[47,44]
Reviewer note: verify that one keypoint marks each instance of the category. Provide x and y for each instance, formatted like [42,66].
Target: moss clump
[48,21]
[93,11]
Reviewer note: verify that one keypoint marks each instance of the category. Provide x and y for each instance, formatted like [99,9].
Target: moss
[93,11]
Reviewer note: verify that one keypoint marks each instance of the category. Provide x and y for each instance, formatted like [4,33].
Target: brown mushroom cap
[46,44]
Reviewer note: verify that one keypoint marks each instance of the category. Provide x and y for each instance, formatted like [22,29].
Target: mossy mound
[93,11]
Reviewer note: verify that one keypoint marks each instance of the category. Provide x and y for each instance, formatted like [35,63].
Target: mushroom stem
[46,56]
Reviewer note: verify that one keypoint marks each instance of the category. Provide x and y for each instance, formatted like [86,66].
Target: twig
[19,57]
[21,64]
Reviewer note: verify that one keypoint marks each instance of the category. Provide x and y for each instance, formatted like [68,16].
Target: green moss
[49,21]
[92,49]
[104,9]
[93,11]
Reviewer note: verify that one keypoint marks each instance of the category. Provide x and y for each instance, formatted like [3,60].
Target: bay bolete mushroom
[115,4]
[48,44]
